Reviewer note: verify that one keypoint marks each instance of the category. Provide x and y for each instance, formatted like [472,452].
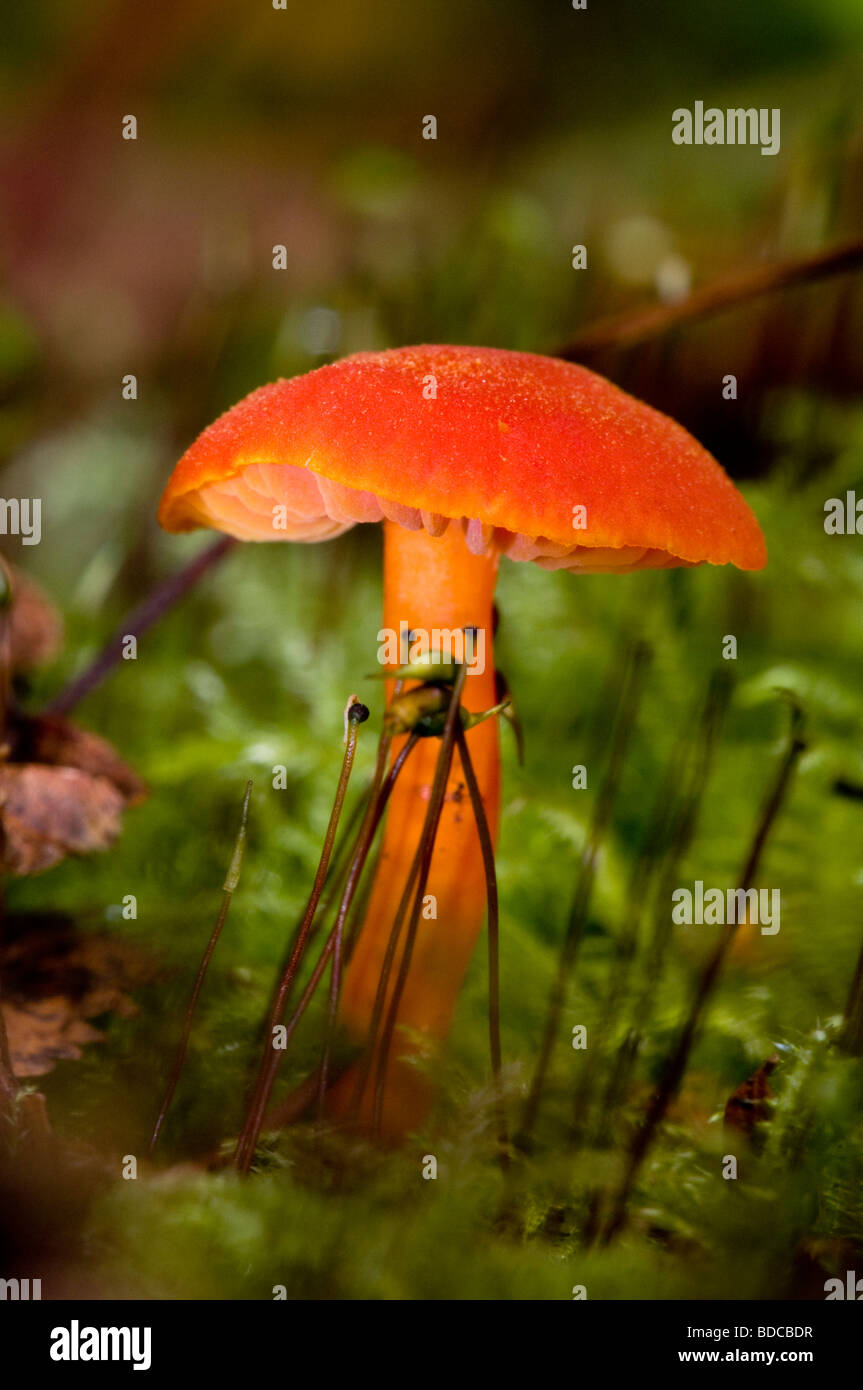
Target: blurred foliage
[158,260]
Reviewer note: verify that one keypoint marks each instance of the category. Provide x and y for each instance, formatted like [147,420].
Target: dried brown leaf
[54,981]
[44,1032]
[49,739]
[49,812]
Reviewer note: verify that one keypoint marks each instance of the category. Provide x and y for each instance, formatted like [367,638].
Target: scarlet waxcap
[537,458]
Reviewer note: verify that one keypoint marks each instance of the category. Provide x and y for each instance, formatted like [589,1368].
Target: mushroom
[464,454]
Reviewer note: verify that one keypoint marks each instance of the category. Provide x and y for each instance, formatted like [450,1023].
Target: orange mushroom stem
[431,584]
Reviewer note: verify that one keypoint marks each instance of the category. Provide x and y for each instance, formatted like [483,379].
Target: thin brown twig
[639,325]
[154,606]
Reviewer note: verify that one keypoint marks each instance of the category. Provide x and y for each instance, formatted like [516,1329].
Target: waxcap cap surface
[540,458]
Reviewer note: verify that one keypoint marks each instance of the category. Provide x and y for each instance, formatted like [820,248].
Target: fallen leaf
[42,1033]
[55,979]
[55,741]
[49,812]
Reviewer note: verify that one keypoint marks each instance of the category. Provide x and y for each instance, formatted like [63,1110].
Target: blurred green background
[258,127]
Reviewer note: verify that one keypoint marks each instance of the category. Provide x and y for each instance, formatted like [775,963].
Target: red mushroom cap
[506,445]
